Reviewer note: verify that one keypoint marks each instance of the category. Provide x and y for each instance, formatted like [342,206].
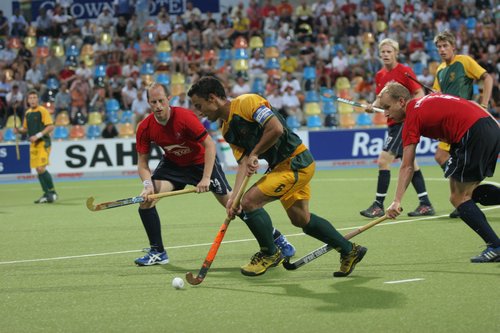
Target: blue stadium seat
[292,122]
[93,132]
[364,119]
[313,122]
[127,117]
[112,105]
[258,86]
[164,57]
[269,41]
[240,54]
[272,63]
[9,135]
[52,83]
[72,50]
[311,96]
[471,23]
[100,71]
[329,107]
[309,73]
[43,41]
[163,79]
[112,117]
[147,68]
[225,54]
[418,68]
[60,133]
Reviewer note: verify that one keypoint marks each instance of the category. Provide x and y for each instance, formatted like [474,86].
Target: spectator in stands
[340,65]
[241,26]
[164,27]
[268,8]
[54,64]
[34,76]
[275,98]
[67,74]
[181,101]
[128,94]
[62,100]
[4,24]
[123,8]
[129,68]
[15,102]
[191,10]
[210,36]
[179,38]
[121,27]
[323,49]
[43,24]
[18,24]
[416,48]
[283,41]
[133,28]
[256,65]
[271,25]
[60,22]
[240,87]
[304,15]
[105,21]
[323,74]
[89,32]
[80,96]
[195,38]
[348,8]
[140,107]
[179,60]
[291,104]
[5,87]
[426,77]
[21,83]
[307,55]
[290,81]
[109,131]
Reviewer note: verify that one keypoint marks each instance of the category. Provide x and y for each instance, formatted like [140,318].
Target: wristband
[484,106]
[147,183]
[39,135]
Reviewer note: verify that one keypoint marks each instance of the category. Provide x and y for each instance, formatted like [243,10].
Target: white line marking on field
[224,242]
[404,281]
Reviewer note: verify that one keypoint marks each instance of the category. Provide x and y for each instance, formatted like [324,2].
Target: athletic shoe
[260,263]
[423,210]
[42,199]
[51,197]
[491,254]
[286,248]
[375,210]
[153,258]
[454,214]
[349,261]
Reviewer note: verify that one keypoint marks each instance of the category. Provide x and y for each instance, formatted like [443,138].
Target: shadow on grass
[347,295]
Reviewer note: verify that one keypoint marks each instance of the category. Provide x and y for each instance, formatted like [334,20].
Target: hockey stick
[353,103]
[209,259]
[327,248]
[129,201]
[420,83]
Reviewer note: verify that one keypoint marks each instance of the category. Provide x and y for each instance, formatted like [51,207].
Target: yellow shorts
[39,154]
[290,185]
[444,146]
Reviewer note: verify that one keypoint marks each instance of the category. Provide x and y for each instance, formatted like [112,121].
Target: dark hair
[154,85]
[207,85]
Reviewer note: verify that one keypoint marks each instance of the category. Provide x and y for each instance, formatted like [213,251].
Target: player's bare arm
[145,174]
[210,152]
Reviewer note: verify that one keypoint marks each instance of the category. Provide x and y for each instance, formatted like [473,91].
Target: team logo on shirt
[178,150]
[452,76]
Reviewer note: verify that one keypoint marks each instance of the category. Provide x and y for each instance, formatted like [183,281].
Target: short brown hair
[446,36]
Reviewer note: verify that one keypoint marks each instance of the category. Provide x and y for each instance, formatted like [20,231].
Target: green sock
[43,182]
[260,224]
[324,231]
[48,182]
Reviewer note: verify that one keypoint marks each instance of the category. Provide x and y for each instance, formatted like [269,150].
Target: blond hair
[396,91]
[391,42]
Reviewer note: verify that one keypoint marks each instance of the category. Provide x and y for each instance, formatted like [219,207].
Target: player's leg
[39,158]
[442,156]
[376,209]
[473,216]
[296,204]
[393,148]
[425,207]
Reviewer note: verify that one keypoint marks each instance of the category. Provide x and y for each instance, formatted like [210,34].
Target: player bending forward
[474,137]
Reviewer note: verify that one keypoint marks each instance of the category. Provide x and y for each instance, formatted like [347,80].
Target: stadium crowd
[95,72]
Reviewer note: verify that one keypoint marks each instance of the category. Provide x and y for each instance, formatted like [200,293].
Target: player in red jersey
[474,137]
[393,148]
[189,158]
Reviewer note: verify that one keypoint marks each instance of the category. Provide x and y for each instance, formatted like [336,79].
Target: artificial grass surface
[66,269]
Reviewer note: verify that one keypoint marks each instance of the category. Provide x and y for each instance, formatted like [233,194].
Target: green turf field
[66,269]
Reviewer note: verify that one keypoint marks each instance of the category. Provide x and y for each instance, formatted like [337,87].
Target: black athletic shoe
[51,197]
[454,214]
[491,254]
[422,210]
[375,210]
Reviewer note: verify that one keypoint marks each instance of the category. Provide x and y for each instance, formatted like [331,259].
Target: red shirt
[180,138]
[397,74]
[440,116]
